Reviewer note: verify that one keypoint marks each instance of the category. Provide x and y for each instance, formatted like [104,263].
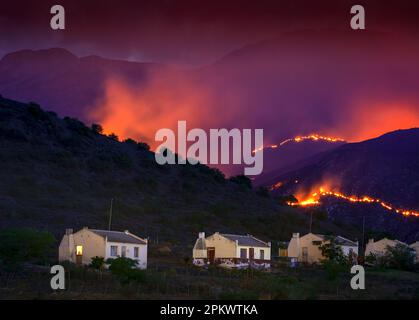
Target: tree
[143,146]
[97,263]
[24,245]
[113,136]
[97,128]
[400,257]
[332,251]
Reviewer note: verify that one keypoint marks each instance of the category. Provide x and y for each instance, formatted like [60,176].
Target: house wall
[224,248]
[93,245]
[257,250]
[415,246]
[142,252]
[346,250]
[199,254]
[378,247]
[296,245]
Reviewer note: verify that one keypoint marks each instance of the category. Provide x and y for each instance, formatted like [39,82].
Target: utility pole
[110,215]
[311,220]
[363,235]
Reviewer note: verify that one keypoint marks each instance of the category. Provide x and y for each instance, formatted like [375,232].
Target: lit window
[136,252]
[79,250]
[114,251]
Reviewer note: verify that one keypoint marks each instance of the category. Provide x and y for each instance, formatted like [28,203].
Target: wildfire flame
[312,137]
[315,197]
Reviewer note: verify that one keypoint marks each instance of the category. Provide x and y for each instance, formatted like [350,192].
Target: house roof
[246,240]
[340,240]
[119,236]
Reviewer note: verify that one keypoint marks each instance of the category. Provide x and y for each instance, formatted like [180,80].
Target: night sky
[290,67]
[186,32]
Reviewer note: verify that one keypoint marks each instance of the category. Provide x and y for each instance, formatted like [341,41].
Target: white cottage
[306,249]
[230,250]
[80,247]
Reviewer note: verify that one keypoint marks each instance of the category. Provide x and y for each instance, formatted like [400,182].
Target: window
[243,253]
[136,252]
[123,251]
[317,243]
[262,254]
[114,251]
[79,250]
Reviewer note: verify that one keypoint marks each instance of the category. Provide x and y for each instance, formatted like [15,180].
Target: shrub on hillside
[97,128]
[332,251]
[400,257]
[24,245]
[97,263]
[125,270]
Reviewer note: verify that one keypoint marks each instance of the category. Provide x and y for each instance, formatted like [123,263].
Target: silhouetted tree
[97,128]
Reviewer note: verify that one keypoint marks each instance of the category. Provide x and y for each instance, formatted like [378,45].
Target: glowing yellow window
[79,250]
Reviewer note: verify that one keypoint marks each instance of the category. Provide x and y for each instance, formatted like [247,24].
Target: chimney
[68,231]
[371,241]
[296,235]
[126,231]
[201,235]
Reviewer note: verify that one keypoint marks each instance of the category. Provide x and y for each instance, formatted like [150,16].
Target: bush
[97,128]
[24,245]
[400,257]
[143,146]
[333,251]
[35,110]
[97,263]
[125,270]
[113,136]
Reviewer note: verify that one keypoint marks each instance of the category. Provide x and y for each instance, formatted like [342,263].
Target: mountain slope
[62,82]
[57,173]
[385,168]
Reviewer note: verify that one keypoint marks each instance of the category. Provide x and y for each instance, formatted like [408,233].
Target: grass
[170,277]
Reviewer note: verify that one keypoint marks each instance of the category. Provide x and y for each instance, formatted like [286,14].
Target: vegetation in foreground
[184,281]
[170,276]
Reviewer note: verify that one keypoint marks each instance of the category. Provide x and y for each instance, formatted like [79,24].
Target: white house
[80,247]
[379,248]
[230,250]
[306,249]
[415,246]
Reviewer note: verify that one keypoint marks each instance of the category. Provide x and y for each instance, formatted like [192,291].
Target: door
[124,251]
[211,254]
[251,253]
[305,254]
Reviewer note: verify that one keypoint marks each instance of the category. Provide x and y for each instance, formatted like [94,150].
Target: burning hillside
[315,199]
[312,137]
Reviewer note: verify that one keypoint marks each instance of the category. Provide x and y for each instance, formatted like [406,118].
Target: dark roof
[340,240]
[246,240]
[118,236]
